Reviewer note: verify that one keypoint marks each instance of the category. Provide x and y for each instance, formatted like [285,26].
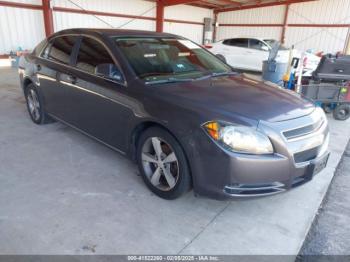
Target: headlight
[239,138]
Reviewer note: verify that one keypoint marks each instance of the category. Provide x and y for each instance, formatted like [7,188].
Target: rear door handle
[72,79]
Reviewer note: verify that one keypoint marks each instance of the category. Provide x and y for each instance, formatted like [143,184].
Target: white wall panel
[70,20]
[20,28]
[224,32]
[320,12]
[304,38]
[188,13]
[193,32]
[265,15]
[328,40]
[25,28]
[131,7]
[34,2]
[64,20]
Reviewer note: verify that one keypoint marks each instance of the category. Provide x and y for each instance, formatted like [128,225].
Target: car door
[97,104]
[54,61]
[236,51]
[258,52]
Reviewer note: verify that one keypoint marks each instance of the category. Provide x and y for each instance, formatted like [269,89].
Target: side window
[226,42]
[92,54]
[257,44]
[61,49]
[239,42]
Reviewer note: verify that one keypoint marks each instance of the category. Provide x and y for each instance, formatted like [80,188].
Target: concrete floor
[330,232]
[63,193]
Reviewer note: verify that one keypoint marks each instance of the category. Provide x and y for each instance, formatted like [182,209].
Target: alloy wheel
[160,163]
[33,104]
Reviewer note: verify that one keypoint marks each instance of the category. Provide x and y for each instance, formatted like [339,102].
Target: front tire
[162,163]
[35,106]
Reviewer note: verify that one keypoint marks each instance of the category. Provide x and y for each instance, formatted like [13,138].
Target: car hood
[238,95]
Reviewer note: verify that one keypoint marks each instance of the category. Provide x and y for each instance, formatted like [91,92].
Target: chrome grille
[303,131]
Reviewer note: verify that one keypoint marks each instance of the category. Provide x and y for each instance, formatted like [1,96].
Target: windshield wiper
[169,80]
[174,79]
[216,74]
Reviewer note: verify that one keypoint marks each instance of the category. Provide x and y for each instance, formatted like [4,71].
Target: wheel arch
[26,82]
[140,128]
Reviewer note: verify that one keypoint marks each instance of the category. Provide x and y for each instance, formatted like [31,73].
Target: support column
[347,44]
[215,29]
[48,17]
[284,29]
[160,16]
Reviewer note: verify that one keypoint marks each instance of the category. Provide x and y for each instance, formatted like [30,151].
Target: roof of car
[113,32]
[250,37]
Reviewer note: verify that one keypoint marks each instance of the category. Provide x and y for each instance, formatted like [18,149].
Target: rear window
[238,42]
[61,49]
[256,44]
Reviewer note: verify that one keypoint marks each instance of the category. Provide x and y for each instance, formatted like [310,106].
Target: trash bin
[14,61]
[273,71]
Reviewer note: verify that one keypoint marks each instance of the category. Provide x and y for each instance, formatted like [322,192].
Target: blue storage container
[274,71]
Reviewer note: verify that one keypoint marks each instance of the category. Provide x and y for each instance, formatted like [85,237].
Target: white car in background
[249,53]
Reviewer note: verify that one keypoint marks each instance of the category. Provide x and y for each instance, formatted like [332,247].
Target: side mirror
[110,71]
[221,57]
[265,48]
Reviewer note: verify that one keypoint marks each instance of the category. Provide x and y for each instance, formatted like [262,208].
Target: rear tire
[163,164]
[35,106]
[342,112]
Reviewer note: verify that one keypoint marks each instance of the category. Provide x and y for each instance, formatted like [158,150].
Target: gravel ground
[330,233]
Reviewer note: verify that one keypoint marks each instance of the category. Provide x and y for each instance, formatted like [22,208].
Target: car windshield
[271,42]
[158,59]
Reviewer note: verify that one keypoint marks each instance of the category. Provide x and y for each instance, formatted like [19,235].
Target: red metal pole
[215,29]
[283,34]
[48,17]
[160,16]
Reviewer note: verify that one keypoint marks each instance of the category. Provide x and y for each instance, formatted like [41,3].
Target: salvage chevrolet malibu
[182,114]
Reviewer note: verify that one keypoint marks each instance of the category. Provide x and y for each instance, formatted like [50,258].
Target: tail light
[208,46]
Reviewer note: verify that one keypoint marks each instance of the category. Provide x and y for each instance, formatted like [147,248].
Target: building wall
[20,28]
[187,13]
[63,20]
[318,12]
[25,28]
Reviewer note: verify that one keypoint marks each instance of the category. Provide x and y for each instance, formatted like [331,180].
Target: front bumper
[265,189]
[300,153]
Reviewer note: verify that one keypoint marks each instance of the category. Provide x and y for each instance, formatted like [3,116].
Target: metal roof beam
[177,2]
[259,5]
